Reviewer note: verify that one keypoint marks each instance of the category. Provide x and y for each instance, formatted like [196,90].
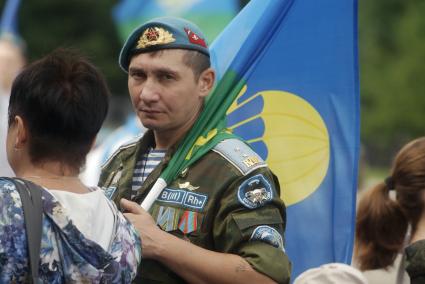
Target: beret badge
[154,36]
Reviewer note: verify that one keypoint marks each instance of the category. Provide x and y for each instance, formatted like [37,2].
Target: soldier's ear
[206,82]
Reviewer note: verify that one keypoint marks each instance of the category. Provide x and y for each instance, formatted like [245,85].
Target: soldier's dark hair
[193,59]
[197,61]
[382,221]
[63,101]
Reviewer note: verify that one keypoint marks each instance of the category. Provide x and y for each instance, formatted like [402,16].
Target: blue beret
[162,33]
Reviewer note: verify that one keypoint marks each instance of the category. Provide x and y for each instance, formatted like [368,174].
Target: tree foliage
[83,24]
[392,56]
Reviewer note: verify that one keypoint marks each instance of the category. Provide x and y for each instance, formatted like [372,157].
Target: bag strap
[30,194]
[401,271]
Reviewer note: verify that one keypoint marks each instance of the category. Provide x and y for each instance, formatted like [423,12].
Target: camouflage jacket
[415,262]
[228,201]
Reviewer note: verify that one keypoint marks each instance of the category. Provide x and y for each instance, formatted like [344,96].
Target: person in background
[221,220]
[12,59]
[57,106]
[331,273]
[391,217]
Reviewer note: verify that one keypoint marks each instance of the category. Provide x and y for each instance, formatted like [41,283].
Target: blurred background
[391,57]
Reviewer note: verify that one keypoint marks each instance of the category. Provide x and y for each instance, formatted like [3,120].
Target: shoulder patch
[255,192]
[131,143]
[240,155]
[268,235]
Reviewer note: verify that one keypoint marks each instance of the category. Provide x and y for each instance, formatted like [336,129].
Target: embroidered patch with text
[183,198]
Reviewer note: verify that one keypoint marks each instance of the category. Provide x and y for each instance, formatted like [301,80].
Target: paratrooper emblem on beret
[154,36]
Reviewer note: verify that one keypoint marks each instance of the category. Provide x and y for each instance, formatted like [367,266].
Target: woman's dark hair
[63,101]
[382,222]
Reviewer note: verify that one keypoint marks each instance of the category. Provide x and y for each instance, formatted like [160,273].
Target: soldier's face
[164,92]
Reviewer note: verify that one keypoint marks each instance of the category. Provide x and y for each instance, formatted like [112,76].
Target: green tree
[392,45]
[82,24]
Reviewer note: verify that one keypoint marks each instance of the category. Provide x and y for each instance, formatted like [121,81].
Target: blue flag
[299,109]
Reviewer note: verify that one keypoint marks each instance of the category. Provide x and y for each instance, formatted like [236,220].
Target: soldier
[221,220]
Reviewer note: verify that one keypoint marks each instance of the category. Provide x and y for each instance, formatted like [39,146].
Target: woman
[56,108]
[386,213]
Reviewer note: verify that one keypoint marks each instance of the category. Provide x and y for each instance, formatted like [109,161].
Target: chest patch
[255,192]
[268,235]
[183,198]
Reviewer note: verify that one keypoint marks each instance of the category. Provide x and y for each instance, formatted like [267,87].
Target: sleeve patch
[255,192]
[240,155]
[268,235]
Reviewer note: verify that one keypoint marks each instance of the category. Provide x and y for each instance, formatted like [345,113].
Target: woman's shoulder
[12,234]
[9,195]
[125,247]
[6,183]
[11,212]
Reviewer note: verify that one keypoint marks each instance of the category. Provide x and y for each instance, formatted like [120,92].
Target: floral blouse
[66,256]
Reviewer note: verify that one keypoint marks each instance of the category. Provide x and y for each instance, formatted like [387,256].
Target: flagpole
[153,194]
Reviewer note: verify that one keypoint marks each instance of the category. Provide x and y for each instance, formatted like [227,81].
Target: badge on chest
[178,209]
[171,219]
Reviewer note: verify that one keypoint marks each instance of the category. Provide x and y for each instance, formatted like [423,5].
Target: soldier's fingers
[130,206]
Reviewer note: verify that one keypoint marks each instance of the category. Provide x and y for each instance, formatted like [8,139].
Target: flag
[299,109]
[210,16]
[289,85]
[9,17]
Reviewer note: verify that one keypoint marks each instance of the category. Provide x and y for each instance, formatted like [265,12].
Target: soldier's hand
[143,222]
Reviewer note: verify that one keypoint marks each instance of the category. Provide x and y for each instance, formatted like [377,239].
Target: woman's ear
[206,82]
[21,132]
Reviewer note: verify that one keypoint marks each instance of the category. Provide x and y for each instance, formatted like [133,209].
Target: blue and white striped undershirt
[144,167]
